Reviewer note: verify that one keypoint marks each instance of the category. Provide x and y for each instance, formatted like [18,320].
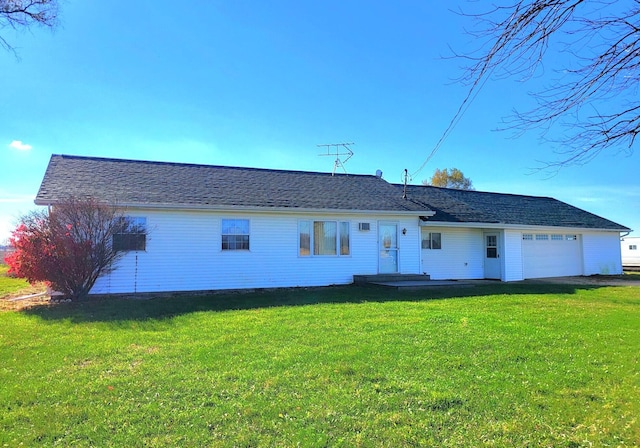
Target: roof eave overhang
[252,209]
[502,226]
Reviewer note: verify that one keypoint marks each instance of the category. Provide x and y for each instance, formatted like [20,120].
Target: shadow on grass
[119,309]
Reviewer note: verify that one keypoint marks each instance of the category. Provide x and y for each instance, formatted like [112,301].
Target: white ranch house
[216,227]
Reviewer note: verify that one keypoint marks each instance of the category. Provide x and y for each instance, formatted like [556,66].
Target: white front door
[388,248]
[492,263]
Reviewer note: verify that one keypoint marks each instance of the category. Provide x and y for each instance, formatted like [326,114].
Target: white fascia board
[499,226]
[239,208]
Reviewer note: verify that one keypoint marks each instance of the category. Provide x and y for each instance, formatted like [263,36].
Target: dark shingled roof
[463,206]
[133,182]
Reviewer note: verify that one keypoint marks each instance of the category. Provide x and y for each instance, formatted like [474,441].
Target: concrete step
[384,278]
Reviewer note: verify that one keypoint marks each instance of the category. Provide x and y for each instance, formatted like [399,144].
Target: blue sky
[260,84]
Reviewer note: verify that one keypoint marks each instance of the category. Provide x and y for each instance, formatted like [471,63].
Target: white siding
[409,246]
[601,251]
[184,254]
[512,261]
[461,256]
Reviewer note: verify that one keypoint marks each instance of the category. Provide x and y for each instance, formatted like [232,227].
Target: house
[630,248]
[216,227]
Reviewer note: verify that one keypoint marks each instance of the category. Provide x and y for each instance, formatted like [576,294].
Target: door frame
[493,265]
[381,224]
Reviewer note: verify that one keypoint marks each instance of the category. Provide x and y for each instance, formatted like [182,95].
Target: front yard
[499,365]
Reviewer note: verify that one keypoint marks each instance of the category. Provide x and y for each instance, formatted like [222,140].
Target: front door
[492,263]
[388,244]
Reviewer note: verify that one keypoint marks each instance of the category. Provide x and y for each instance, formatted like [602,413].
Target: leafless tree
[23,14]
[592,100]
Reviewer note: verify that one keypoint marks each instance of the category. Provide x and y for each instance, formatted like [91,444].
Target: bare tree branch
[593,97]
[23,14]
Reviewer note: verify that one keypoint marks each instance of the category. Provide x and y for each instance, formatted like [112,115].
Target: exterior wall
[630,257]
[461,256]
[183,253]
[601,252]
[512,261]
[598,253]
[409,245]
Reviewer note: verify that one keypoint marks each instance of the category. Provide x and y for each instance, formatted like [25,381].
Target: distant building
[630,250]
[4,251]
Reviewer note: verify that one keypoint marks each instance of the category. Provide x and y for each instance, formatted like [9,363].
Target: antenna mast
[337,150]
[404,190]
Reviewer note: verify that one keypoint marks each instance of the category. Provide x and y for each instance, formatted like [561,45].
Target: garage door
[551,255]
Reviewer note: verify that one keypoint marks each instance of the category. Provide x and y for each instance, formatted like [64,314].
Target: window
[557,237]
[571,237]
[432,240]
[131,234]
[323,238]
[527,236]
[344,238]
[235,234]
[633,247]
[492,246]
[540,237]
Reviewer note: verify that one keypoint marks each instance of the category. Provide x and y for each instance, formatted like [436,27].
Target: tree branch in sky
[591,100]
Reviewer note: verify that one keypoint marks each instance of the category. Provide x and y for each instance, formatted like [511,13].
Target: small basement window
[131,234]
[633,247]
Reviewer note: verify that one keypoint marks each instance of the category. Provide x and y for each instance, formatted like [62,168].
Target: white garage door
[551,255]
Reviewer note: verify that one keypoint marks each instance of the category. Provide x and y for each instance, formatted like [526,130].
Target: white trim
[253,209]
[498,226]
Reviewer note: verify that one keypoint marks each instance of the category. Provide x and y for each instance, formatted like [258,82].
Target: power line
[471,96]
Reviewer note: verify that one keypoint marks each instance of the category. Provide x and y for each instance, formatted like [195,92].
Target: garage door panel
[552,258]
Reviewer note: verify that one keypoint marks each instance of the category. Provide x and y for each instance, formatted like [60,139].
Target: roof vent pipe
[379,174]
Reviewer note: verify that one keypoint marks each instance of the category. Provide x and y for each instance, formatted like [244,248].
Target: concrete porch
[410,281]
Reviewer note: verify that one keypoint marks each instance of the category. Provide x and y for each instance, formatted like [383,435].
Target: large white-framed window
[235,234]
[131,234]
[324,238]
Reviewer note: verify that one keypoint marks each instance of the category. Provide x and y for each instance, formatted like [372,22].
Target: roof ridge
[479,191]
[188,164]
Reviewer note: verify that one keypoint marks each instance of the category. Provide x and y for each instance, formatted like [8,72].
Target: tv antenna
[338,150]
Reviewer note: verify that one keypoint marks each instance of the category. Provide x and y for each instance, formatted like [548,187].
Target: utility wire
[471,96]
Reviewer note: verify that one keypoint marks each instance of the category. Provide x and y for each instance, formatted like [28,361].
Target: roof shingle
[144,183]
[465,206]
[133,182]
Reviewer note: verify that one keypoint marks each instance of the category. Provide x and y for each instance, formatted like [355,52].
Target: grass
[16,287]
[9,285]
[498,365]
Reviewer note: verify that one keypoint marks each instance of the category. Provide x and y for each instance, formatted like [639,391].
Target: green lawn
[10,285]
[501,365]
